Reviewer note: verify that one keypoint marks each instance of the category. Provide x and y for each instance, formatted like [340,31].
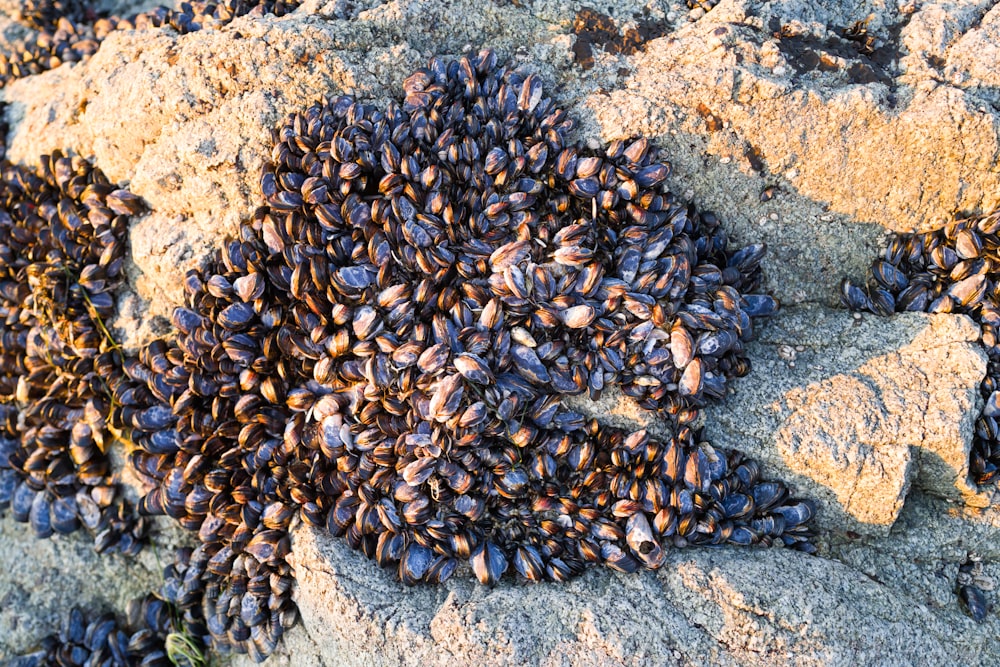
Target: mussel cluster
[62,244]
[71,30]
[153,635]
[954,269]
[384,348]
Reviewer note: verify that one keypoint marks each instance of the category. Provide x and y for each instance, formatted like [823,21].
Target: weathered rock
[803,104]
[192,139]
[921,554]
[841,145]
[712,606]
[850,410]
[41,580]
[737,109]
[889,601]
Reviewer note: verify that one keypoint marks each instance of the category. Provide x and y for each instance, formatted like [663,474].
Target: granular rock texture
[951,270]
[855,410]
[42,579]
[702,607]
[784,119]
[186,134]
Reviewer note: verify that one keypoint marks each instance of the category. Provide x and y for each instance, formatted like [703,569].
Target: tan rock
[848,411]
[851,410]
[711,606]
[870,408]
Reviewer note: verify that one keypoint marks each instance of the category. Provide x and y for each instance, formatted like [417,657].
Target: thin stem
[182,650]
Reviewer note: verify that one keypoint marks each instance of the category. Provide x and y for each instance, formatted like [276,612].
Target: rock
[824,124]
[922,552]
[41,580]
[712,606]
[737,110]
[884,600]
[190,139]
[771,119]
[850,410]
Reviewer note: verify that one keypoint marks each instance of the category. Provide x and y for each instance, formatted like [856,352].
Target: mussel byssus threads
[62,244]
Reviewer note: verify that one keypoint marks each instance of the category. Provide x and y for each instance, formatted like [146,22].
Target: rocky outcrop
[771,118]
[741,112]
[712,606]
[41,580]
[850,410]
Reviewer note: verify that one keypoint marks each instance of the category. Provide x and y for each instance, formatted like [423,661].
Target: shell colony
[61,253]
[70,30]
[382,352]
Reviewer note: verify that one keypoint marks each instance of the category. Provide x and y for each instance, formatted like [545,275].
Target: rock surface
[710,606]
[772,120]
[851,410]
[41,580]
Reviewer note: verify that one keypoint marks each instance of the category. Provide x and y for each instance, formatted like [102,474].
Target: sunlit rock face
[776,119]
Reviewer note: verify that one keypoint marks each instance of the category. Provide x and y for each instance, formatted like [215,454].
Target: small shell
[528,562]
[474,368]
[691,380]
[974,601]
[853,297]
[414,564]
[968,245]
[579,317]
[528,363]
[797,514]
[681,346]
[652,176]
[488,563]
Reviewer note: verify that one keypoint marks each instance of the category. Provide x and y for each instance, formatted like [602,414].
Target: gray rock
[850,410]
[849,145]
[710,606]
[41,580]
